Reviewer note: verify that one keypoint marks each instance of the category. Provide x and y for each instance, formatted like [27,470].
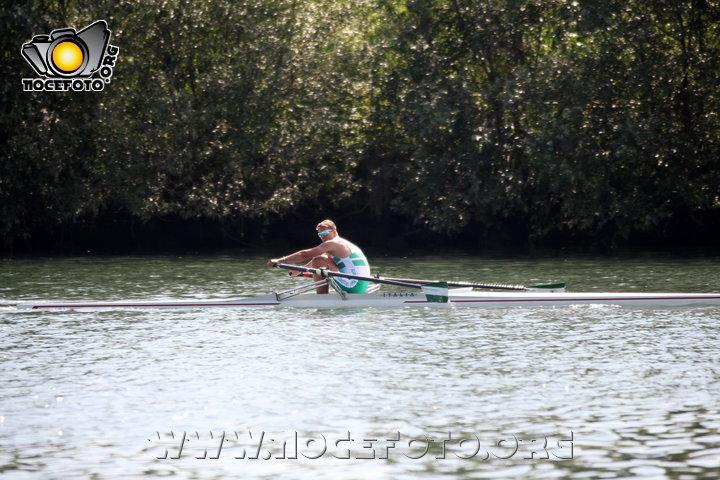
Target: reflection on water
[559,393]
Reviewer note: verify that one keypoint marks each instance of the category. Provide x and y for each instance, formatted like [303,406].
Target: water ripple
[87,393]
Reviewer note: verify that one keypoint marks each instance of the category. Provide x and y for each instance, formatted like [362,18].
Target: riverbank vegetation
[472,122]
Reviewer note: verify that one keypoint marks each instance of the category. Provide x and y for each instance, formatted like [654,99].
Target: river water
[414,393]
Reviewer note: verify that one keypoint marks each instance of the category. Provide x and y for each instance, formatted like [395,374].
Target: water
[544,393]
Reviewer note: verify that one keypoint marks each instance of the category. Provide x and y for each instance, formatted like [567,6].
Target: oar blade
[553,287]
[436,292]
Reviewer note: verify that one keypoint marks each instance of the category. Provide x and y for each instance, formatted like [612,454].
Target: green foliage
[561,119]
[598,119]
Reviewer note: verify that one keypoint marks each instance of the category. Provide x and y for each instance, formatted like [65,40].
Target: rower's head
[326,230]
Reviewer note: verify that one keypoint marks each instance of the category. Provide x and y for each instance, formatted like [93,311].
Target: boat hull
[461,299]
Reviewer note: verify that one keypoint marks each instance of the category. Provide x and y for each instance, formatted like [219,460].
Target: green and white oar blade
[553,287]
[436,292]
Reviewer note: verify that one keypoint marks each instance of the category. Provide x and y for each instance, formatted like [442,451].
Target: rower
[335,254]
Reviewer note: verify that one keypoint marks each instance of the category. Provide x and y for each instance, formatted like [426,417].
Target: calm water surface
[543,393]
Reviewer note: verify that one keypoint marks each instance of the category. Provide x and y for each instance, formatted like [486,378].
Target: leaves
[555,119]
[580,120]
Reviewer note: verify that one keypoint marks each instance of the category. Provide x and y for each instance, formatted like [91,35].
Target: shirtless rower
[334,253]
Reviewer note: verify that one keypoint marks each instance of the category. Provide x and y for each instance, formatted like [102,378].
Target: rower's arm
[307,254]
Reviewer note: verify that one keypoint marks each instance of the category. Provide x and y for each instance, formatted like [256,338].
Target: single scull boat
[430,294]
[456,298]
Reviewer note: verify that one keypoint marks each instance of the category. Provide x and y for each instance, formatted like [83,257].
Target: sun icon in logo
[67,56]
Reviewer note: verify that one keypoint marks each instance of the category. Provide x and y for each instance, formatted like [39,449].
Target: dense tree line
[541,120]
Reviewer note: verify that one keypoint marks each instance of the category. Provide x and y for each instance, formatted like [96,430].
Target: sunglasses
[324,233]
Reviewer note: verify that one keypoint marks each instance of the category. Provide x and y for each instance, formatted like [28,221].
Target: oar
[495,286]
[434,291]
